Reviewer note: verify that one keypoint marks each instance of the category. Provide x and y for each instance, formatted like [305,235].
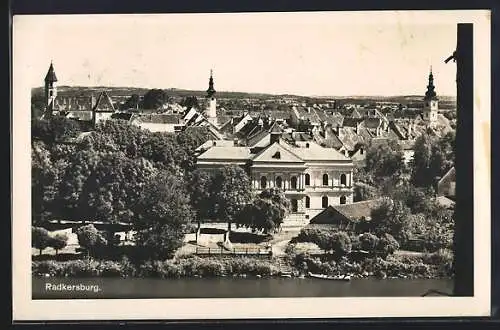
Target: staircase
[295,220]
[283,266]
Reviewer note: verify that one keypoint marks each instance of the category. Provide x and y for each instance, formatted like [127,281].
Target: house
[347,216]
[159,122]
[446,185]
[311,176]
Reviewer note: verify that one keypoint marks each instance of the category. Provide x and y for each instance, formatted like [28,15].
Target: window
[279,182]
[263,182]
[324,201]
[308,179]
[295,205]
[277,155]
[325,179]
[308,202]
[361,151]
[343,200]
[293,182]
[343,179]
[307,145]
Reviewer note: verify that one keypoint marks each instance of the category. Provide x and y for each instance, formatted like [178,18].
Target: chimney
[327,132]
[410,130]
[358,124]
[308,109]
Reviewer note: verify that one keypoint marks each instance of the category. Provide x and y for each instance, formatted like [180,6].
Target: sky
[324,53]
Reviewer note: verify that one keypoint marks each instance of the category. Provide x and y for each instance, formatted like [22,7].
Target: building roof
[277,153]
[315,152]
[159,118]
[104,103]
[51,74]
[352,212]
[226,153]
[80,115]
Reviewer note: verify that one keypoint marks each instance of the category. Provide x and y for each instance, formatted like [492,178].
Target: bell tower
[50,89]
[431,102]
[212,101]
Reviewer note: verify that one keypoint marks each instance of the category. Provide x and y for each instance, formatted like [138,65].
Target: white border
[26,309]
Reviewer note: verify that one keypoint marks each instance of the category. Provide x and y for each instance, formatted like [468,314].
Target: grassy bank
[435,265]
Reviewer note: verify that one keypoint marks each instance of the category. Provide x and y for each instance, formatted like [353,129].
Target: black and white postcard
[248,165]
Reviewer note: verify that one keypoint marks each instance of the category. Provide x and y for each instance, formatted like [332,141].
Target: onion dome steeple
[51,75]
[430,94]
[211,90]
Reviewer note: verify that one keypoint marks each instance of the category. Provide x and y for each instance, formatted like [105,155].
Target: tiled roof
[226,153]
[122,115]
[159,119]
[276,153]
[315,152]
[353,212]
[104,103]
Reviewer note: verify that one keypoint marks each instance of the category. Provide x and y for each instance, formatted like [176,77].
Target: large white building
[311,176]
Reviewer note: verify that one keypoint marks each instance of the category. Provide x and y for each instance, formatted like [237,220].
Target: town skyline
[262,53]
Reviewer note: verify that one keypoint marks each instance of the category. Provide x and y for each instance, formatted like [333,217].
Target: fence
[202,251]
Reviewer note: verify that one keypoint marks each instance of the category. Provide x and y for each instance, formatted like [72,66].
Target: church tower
[50,89]
[212,102]
[430,102]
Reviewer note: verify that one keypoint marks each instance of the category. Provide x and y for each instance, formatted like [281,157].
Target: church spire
[51,74]
[430,94]
[211,90]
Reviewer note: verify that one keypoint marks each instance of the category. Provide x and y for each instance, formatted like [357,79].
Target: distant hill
[174,92]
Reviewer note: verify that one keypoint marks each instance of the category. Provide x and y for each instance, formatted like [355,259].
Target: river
[131,288]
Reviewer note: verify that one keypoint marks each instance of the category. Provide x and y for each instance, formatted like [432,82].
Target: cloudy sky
[323,53]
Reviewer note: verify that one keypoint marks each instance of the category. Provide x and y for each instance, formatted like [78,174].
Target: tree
[58,242]
[232,190]
[266,212]
[91,239]
[432,157]
[339,242]
[40,238]
[113,188]
[54,129]
[44,181]
[385,160]
[363,192]
[389,218]
[154,99]
[190,102]
[163,216]
[131,103]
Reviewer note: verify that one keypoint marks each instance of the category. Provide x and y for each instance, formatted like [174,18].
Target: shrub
[387,245]
[368,242]
[110,269]
[50,267]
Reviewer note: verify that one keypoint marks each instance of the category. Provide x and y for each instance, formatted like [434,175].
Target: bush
[387,245]
[51,267]
[110,269]
[368,242]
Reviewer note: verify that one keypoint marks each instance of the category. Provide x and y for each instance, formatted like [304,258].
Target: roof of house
[104,103]
[352,212]
[315,152]
[277,153]
[159,118]
[226,152]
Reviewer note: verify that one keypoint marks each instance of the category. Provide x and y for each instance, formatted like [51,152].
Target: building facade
[431,102]
[311,176]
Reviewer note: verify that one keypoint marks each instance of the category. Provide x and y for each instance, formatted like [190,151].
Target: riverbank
[406,267]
